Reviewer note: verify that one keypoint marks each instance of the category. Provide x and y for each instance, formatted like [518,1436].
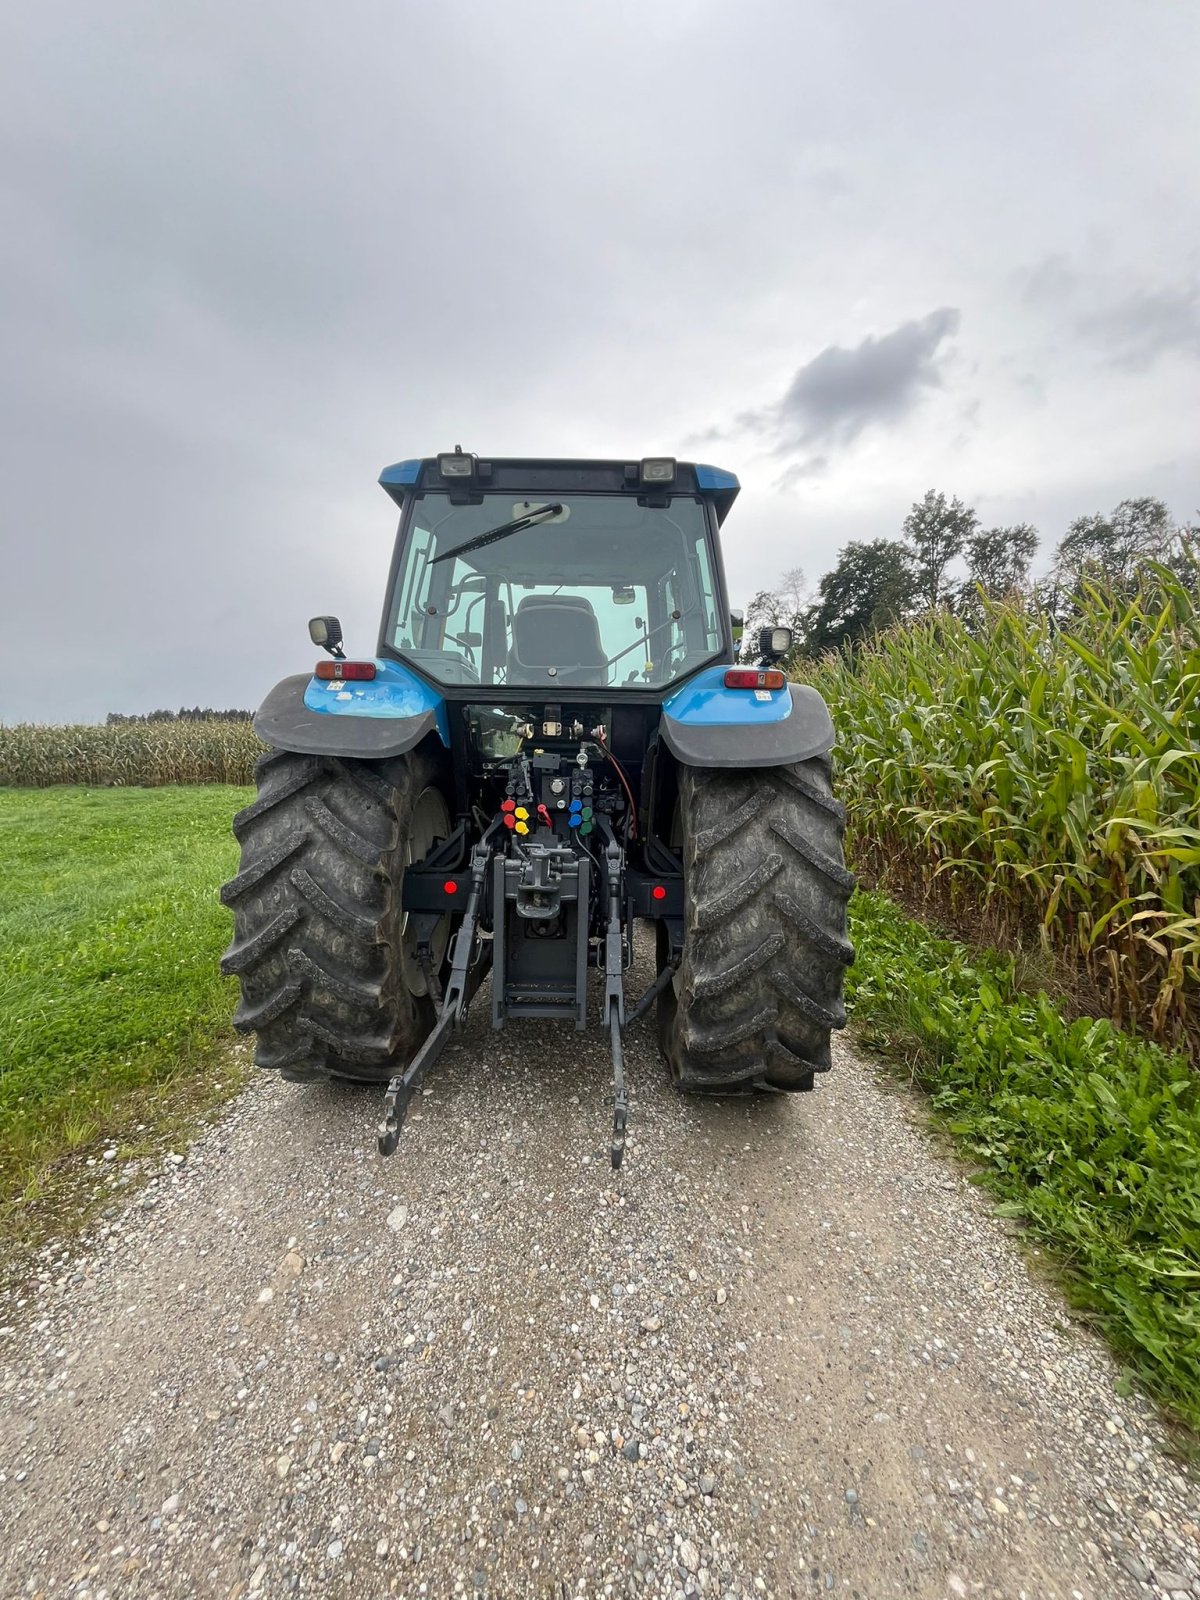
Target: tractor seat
[556,630]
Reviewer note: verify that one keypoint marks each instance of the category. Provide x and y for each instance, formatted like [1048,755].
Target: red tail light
[754,678]
[345,670]
[659,891]
[449,887]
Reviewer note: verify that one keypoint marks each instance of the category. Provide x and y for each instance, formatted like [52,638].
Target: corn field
[144,754]
[1048,773]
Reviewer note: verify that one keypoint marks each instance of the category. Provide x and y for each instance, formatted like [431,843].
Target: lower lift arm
[467,969]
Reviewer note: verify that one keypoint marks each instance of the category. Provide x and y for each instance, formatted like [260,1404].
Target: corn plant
[1051,773]
[141,754]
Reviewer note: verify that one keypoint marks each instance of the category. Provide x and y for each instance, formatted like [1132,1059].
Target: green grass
[113,1016]
[1088,1134]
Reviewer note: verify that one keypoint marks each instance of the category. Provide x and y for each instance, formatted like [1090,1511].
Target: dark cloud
[840,392]
[1147,324]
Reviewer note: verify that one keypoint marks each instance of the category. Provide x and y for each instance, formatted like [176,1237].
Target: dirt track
[789,1352]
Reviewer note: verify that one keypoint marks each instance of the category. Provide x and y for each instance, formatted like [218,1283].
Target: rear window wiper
[502,532]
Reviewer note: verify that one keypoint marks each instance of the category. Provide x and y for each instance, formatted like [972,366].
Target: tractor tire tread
[316,917]
[260,868]
[717,908]
[759,986]
[242,955]
[342,834]
[721,979]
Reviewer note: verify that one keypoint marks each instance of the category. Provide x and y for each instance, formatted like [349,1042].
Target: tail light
[754,678]
[345,670]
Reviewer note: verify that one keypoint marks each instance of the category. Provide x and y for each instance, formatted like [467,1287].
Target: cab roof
[536,475]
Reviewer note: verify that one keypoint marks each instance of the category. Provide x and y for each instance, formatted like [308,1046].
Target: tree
[117,719]
[937,530]
[998,558]
[1115,547]
[998,564]
[872,585]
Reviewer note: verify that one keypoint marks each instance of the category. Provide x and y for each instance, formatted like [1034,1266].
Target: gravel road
[788,1351]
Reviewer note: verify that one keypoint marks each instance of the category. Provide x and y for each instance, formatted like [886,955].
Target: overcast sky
[251,253]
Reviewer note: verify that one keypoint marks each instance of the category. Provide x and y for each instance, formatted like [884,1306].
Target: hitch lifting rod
[652,993]
[614,992]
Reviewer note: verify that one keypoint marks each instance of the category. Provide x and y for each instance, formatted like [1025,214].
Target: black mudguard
[285,722]
[807,732]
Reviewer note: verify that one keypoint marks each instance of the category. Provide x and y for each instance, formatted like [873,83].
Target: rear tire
[327,985]
[759,987]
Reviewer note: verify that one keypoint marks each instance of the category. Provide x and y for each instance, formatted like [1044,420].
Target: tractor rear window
[606,593]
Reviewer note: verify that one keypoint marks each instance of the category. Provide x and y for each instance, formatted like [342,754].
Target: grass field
[113,1016]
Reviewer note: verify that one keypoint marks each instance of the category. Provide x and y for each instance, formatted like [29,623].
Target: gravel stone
[1134,1566]
[512,1329]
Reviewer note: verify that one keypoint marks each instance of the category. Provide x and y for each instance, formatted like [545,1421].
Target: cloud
[840,392]
[1147,324]
[801,470]
[1049,281]
[1131,326]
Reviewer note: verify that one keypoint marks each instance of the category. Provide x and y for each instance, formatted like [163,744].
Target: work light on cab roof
[553,741]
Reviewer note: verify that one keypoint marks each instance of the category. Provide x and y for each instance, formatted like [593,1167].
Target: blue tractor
[553,739]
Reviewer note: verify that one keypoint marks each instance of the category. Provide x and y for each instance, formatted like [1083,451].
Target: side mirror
[774,643]
[737,621]
[327,633]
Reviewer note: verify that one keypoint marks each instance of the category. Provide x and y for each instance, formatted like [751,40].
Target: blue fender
[704,724]
[383,716]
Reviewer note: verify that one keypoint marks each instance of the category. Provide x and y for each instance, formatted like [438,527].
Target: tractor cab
[557,577]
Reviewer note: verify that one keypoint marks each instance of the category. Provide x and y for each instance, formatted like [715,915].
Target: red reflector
[754,678]
[659,891]
[344,670]
[450,887]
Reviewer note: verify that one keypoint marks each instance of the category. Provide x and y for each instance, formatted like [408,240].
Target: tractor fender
[371,719]
[704,724]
